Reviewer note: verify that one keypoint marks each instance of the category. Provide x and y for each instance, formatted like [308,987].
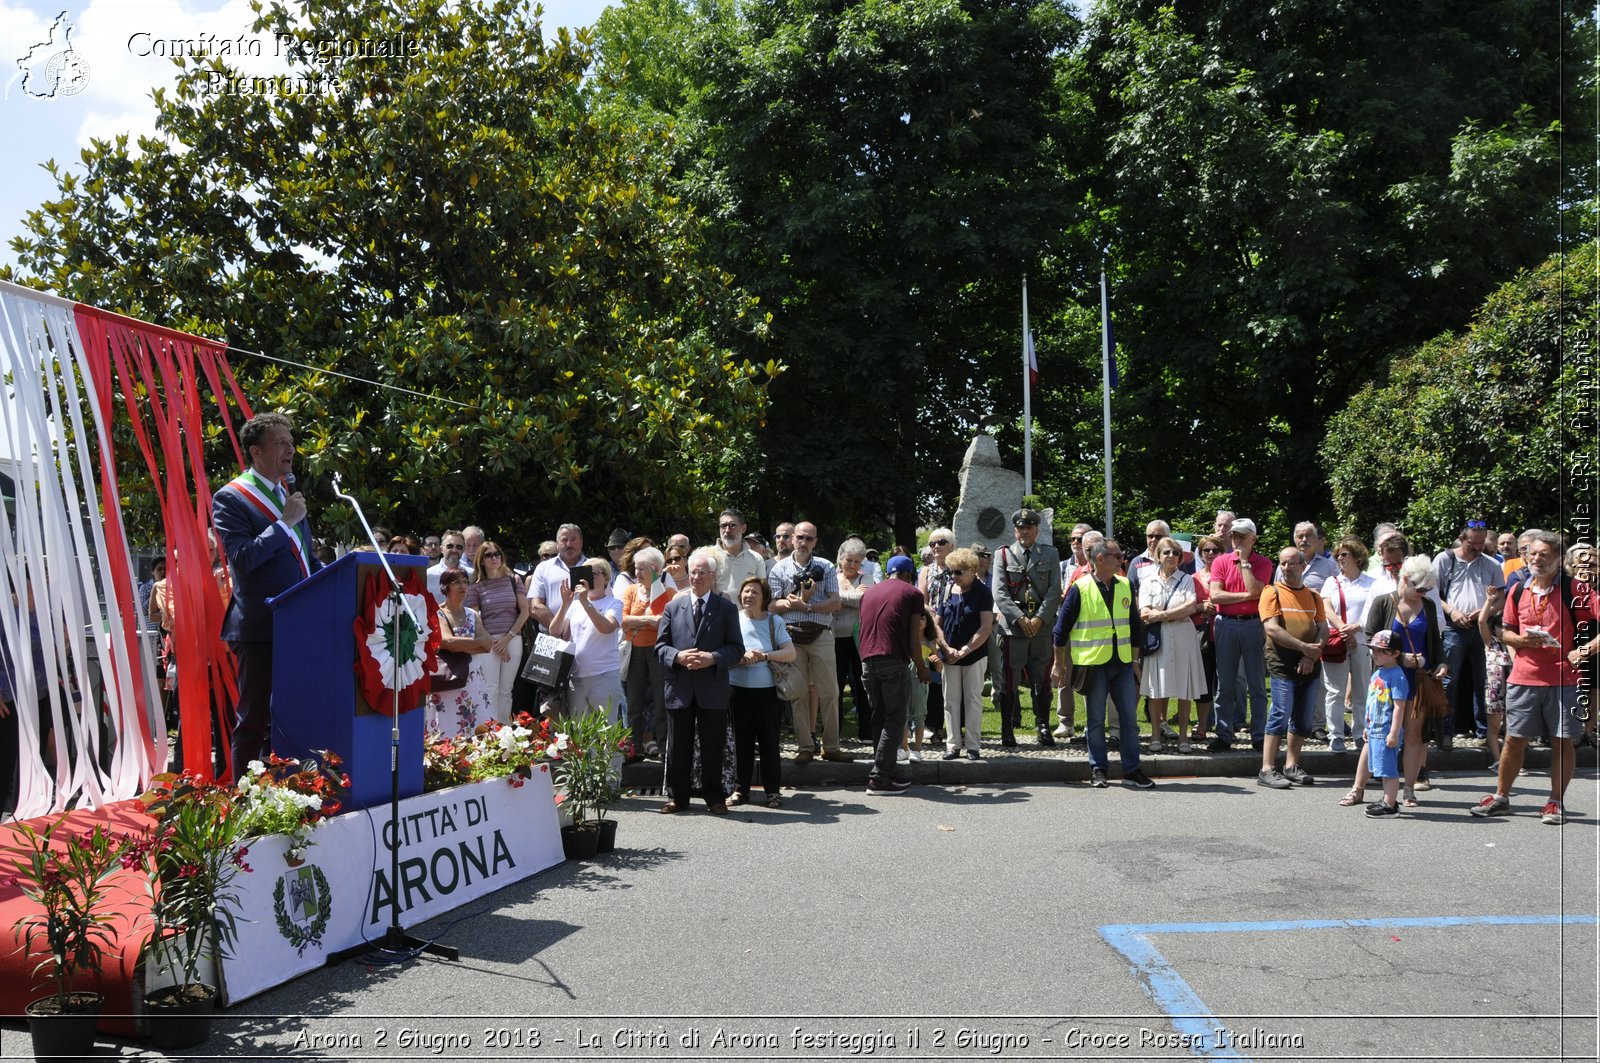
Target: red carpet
[130,910]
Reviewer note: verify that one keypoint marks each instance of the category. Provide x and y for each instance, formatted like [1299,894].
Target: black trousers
[756,715]
[889,686]
[252,717]
[711,726]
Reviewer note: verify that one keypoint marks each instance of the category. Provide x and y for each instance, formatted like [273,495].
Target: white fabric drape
[56,545]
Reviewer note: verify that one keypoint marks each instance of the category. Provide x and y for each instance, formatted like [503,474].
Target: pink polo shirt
[1225,570]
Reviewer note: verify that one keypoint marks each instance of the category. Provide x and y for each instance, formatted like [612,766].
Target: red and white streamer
[73,373]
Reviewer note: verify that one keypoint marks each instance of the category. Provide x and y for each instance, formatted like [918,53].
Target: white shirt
[548,578]
[593,653]
[434,572]
[1358,593]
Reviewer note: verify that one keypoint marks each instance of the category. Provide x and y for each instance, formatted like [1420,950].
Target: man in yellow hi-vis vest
[1102,630]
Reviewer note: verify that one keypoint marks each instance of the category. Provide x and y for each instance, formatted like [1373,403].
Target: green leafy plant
[193,857]
[589,769]
[66,877]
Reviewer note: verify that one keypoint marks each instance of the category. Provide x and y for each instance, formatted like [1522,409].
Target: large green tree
[1293,191]
[880,174]
[1498,421]
[457,221]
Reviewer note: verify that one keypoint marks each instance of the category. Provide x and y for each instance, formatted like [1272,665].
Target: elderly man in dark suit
[267,538]
[699,641]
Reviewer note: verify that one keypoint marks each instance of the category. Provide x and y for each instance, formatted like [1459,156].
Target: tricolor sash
[264,496]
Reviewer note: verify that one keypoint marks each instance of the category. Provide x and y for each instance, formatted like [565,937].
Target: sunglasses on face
[1172,553]
[1476,524]
[674,560]
[494,554]
[455,549]
[938,542]
[1077,538]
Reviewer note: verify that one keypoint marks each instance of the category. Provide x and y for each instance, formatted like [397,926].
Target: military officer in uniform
[1027,595]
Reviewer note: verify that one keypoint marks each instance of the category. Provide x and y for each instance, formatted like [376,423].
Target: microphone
[288,481]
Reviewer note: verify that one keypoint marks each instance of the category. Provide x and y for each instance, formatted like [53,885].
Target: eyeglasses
[1476,524]
[675,560]
[1077,538]
[455,549]
[494,554]
[938,542]
[1172,553]
[1209,550]
[728,524]
[958,571]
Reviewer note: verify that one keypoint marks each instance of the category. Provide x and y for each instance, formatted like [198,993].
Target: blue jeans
[1294,705]
[1241,640]
[1116,679]
[1464,653]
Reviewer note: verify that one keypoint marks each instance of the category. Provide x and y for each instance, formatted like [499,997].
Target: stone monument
[990,493]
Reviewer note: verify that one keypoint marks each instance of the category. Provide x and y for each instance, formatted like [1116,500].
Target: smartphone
[582,574]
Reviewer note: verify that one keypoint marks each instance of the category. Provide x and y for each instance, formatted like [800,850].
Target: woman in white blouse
[1167,600]
[1344,600]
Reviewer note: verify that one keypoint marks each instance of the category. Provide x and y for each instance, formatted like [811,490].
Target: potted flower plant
[67,878]
[194,856]
[590,773]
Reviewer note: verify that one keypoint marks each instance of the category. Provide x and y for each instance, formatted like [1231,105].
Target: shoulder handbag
[786,678]
[1152,632]
[453,667]
[1336,650]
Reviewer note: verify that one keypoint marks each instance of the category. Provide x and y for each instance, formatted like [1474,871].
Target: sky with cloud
[118,45]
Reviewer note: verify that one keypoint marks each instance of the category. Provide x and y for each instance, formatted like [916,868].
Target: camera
[805,580]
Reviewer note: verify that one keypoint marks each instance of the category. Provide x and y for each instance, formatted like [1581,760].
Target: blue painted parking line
[1196,1025]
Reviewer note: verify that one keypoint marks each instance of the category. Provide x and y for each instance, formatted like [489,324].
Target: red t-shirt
[1547,666]
[886,611]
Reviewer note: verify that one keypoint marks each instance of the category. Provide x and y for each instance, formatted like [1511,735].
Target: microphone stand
[395,939]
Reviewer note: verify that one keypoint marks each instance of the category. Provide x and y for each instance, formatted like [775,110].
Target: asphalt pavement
[1042,920]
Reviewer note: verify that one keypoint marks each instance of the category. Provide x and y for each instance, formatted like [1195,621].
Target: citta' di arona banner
[456,845]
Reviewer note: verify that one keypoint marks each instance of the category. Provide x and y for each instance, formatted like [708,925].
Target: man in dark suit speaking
[699,641]
[265,533]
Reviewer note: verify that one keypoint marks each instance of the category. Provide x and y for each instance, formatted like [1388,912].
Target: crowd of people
[1380,653]
[1223,643]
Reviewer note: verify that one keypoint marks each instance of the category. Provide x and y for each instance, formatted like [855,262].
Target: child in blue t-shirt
[1388,700]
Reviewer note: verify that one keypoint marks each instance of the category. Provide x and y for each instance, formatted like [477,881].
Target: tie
[699,613]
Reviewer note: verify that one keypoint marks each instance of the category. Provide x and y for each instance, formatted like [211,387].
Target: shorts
[1541,712]
[1294,705]
[1383,762]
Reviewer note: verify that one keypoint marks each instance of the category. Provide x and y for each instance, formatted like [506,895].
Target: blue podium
[316,700]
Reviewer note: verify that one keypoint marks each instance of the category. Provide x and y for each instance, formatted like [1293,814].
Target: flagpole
[1027,397]
[1105,389]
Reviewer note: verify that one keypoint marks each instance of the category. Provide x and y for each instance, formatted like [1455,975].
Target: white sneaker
[1063,731]
[916,756]
[902,756]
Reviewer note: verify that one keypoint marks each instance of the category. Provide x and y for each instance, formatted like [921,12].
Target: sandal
[774,801]
[1354,797]
[1408,799]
